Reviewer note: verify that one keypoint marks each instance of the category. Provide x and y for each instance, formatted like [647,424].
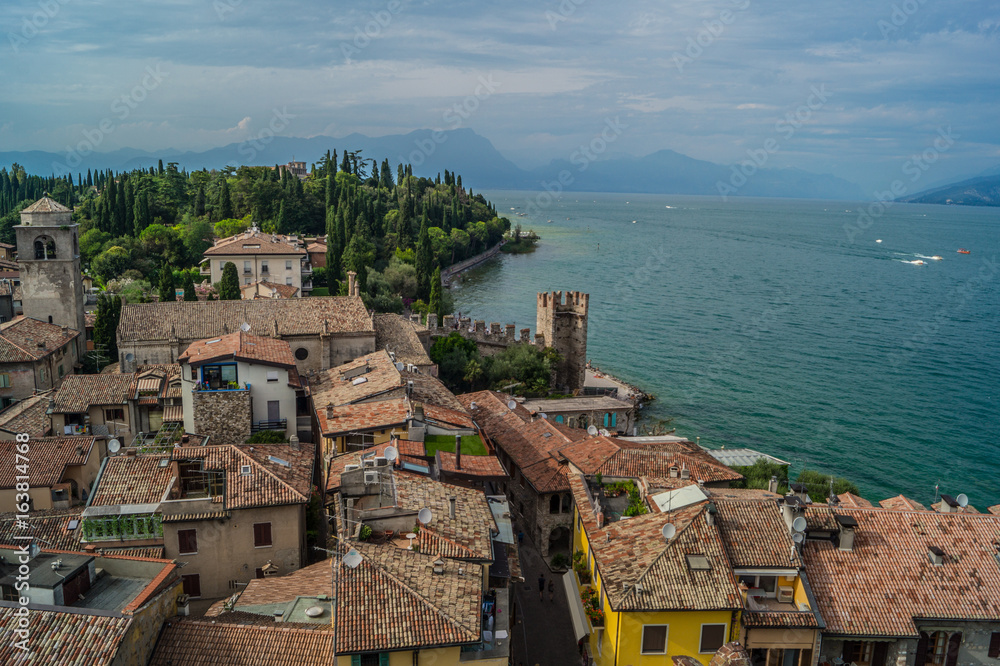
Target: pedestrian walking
[552,591]
[541,586]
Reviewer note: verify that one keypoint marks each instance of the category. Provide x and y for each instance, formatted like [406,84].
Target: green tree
[111,263]
[359,255]
[424,262]
[225,209]
[229,286]
[436,303]
[188,285]
[166,288]
[105,329]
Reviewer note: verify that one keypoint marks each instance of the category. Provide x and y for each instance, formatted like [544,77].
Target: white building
[261,257]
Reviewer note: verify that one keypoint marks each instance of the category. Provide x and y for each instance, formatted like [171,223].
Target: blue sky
[712,80]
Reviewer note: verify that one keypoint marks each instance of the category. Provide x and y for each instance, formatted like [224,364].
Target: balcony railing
[307,285]
[122,528]
[280,424]
[307,268]
[205,270]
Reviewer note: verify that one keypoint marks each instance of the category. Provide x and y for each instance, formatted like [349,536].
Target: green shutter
[355,660]
[383,659]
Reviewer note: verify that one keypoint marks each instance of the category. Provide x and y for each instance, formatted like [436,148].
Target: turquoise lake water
[764,323]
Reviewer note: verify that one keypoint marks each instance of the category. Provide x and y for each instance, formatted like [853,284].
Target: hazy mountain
[478,162]
[983,190]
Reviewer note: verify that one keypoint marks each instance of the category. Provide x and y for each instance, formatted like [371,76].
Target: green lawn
[321,291]
[471,444]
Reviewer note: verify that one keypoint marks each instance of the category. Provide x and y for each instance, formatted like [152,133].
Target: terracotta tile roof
[28,415]
[381,377]
[779,619]
[995,509]
[135,552]
[446,416]
[740,494]
[240,346]
[132,480]
[469,533]
[431,391]
[24,339]
[49,458]
[253,290]
[637,553]
[253,242]
[78,392]
[362,417]
[67,639]
[207,319]
[47,205]
[754,533]
[656,459]
[50,525]
[191,517]
[850,499]
[309,581]
[901,503]
[337,463]
[393,601]
[399,335]
[936,506]
[208,643]
[887,579]
[471,465]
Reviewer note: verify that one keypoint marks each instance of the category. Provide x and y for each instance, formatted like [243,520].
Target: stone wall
[455,269]
[138,643]
[222,415]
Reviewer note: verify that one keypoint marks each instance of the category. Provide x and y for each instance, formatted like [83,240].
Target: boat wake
[934,258]
[915,262]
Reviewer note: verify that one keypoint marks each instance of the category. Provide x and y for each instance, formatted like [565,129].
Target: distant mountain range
[479,163]
[983,190]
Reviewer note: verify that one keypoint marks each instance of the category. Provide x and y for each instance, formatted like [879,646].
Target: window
[301,353]
[554,504]
[187,542]
[246,267]
[10,594]
[192,585]
[263,267]
[938,649]
[4,380]
[246,281]
[288,280]
[654,639]
[114,414]
[712,637]
[272,375]
[219,376]
[194,373]
[994,645]
[600,640]
[61,372]
[261,535]
[288,265]
[222,265]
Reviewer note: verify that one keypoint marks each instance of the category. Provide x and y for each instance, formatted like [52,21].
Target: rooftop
[70,639]
[742,457]
[254,242]
[24,339]
[46,205]
[49,456]
[78,392]
[335,315]
[28,416]
[586,403]
[398,334]
[240,346]
[887,580]
[253,290]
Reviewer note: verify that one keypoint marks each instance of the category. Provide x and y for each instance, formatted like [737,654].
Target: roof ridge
[382,570]
[663,551]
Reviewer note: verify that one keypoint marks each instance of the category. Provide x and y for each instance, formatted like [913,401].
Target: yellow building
[712,569]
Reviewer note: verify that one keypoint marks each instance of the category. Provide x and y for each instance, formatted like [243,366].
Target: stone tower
[48,254]
[562,325]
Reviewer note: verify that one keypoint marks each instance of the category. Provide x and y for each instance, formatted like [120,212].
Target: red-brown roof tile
[24,339]
[240,346]
[67,639]
[48,458]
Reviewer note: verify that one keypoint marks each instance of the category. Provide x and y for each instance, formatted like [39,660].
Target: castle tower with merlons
[562,325]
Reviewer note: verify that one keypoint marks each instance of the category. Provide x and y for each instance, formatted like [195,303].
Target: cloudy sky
[850,87]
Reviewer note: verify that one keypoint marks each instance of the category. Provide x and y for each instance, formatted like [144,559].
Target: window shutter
[383,659]
[355,660]
[995,645]
[879,654]
[848,655]
[921,656]
[954,642]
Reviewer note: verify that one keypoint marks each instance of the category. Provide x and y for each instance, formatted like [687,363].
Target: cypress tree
[199,201]
[225,201]
[436,302]
[424,261]
[282,222]
[159,168]
[229,286]
[166,289]
[188,285]
[332,254]
[119,213]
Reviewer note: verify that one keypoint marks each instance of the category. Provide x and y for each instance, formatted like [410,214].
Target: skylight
[279,461]
[698,563]
[212,342]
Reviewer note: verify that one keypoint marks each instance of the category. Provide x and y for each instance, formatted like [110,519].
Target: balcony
[279,424]
[205,270]
[122,528]
[307,268]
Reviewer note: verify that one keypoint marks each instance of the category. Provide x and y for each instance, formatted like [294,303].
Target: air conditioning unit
[785,595]
[368,462]
[381,461]
[351,468]
[371,478]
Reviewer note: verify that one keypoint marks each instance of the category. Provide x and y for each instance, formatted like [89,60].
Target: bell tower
[562,325]
[48,254]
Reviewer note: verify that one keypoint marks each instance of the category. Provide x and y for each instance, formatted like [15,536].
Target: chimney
[293,442]
[451,506]
[409,389]
[685,472]
[801,491]
[329,410]
[847,526]
[948,504]
[458,452]
[673,471]
[710,514]
[772,485]
[935,555]
[352,283]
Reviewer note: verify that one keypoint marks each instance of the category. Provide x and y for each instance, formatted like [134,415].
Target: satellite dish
[544,415]
[511,405]
[668,531]
[604,432]
[400,366]
[799,524]
[33,550]
[798,537]
[315,611]
[244,327]
[592,430]
[353,559]
[963,500]
[424,516]
[391,453]
[114,446]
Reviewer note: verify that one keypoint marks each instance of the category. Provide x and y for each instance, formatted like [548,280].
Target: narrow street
[544,632]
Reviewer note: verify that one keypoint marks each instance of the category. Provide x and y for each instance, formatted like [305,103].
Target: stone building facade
[222,415]
[562,323]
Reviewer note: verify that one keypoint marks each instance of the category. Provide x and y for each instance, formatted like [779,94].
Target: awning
[173,413]
[576,614]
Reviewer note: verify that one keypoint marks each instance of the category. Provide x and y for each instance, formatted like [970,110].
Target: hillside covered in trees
[143,229]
